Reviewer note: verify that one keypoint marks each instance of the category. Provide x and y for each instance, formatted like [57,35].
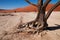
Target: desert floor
[9,23]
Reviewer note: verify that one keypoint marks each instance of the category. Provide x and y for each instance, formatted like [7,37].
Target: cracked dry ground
[9,24]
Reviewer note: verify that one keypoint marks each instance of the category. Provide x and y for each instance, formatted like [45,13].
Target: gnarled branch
[40,2]
[31,3]
[50,11]
[46,3]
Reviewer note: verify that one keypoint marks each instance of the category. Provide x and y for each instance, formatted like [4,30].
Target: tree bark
[52,8]
[41,18]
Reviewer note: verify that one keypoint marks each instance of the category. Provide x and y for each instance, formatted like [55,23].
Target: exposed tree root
[35,25]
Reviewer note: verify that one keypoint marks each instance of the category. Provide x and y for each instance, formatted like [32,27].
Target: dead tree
[41,20]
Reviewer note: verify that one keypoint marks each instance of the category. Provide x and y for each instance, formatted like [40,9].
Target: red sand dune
[29,9]
[50,5]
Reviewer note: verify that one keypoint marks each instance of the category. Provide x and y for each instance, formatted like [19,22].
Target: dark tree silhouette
[41,20]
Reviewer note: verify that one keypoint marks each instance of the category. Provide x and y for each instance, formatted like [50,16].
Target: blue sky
[12,4]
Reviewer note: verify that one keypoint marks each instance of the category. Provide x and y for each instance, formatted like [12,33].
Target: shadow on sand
[53,27]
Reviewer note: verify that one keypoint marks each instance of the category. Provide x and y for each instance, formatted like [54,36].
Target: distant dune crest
[29,9]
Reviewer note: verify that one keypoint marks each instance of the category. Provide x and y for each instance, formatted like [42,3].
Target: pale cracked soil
[9,24]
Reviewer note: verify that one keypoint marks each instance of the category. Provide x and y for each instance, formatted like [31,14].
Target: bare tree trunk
[41,18]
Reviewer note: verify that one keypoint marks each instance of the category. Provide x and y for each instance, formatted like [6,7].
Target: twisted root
[37,26]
